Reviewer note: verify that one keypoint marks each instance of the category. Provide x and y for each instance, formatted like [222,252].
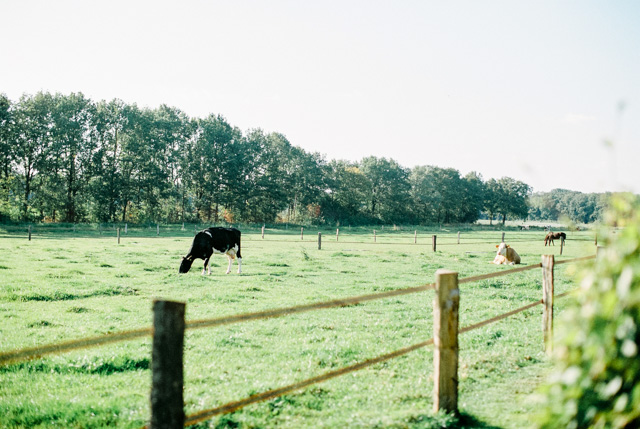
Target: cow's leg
[230,261]
[206,267]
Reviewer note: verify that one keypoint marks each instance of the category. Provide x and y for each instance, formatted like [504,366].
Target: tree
[345,198]
[32,134]
[72,148]
[389,187]
[513,197]
[473,190]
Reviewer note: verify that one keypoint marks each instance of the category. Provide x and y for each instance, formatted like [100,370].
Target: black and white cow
[210,241]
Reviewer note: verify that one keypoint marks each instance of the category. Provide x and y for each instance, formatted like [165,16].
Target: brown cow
[554,236]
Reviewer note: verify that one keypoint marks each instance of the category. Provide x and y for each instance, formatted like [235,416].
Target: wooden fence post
[337,233]
[167,402]
[502,238]
[125,229]
[319,241]
[547,302]
[118,235]
[157,229]
[458,237]
[29,232]
[433,242]
[374,235]
[302,233]
[263,232]
[445,337]
[415,237]
[561,244]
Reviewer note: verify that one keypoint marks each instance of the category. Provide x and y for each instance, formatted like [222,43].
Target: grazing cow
[554,236]
[210,241]
[506,255]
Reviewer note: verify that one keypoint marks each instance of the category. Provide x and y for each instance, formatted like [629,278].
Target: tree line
[66,158]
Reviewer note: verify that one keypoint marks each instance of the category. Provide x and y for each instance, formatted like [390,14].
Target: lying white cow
[506,255]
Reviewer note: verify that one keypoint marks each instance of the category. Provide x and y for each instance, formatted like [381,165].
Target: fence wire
[26,354]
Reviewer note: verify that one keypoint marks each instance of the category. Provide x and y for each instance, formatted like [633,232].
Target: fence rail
[444,402]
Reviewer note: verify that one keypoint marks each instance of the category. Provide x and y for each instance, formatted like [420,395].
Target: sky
[546,92]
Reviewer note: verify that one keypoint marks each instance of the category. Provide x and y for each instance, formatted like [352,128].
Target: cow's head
[185,265]
[502,249]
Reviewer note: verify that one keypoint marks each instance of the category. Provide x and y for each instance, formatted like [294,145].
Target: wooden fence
[167,409]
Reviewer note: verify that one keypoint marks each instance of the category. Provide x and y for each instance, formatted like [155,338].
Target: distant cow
[554,236]
[506,255]
[213,240]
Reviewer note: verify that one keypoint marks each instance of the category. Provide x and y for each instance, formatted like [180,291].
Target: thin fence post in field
[319,241]
[118,235]
[182,227]
[374,235]
[337,233]
[548,262]
[458,237]
[445,336]
[433,242]
[561,244]
[167,403]
[502,238]
[302,233]
[263,232]
[415,237]
[29,232]
[125,228]
[157,229]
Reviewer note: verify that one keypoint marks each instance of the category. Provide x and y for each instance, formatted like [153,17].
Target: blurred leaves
[597,378]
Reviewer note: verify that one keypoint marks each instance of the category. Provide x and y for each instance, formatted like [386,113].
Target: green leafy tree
[597,380]
[472,197]
[69,158]
[32,134]
[344,201]
[6,156]
[388,189]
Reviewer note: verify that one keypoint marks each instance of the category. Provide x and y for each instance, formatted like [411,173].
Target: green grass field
[66,284]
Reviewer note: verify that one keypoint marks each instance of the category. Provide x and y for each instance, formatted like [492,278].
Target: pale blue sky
[525,89]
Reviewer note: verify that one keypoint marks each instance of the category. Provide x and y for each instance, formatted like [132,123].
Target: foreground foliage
[597,383]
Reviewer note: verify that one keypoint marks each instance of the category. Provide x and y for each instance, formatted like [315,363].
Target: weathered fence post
[458,237]
[374,235]
[302,233]
[561,244]
[415,237]
[157,229]
[167,403]
[29,232]
[445,338]
[502,238]
[433,242]
[118,235]
[337,233]
[319,241]
[548,262]
[125,229]
[263,232]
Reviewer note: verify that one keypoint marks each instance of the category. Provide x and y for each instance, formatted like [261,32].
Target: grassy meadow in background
[67,284]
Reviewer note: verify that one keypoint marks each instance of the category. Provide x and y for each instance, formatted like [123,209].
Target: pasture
[66,284]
